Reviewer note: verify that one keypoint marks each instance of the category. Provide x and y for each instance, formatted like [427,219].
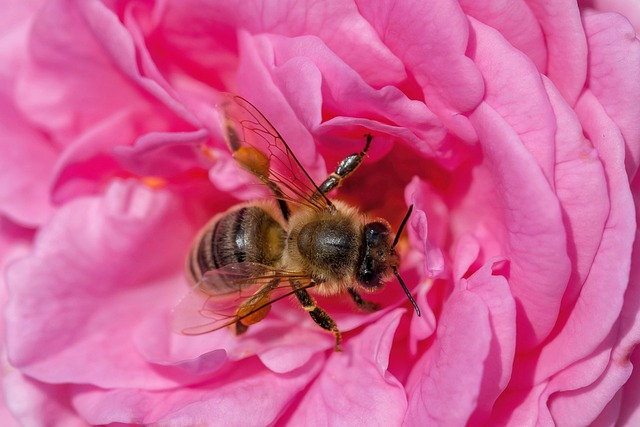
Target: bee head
[376,255]
[378,258]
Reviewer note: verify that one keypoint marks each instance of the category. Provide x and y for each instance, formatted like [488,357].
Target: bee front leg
[318,315]
[345,168]
[363,304]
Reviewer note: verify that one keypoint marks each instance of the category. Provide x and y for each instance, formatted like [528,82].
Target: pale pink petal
[255,79]
[26,167]
[604,287]
[219,399]
[496,295]
[33,403]
[584,405]
[581,188]
[614,61]
[165,154]
[515,22]
[630,404]
[529,226]
[355,387]
[432,43]
[445,383]
[95,88]
[501,64]
[566,45]
[339,24]
[346,94]
[434,264]
[627,349]
[87,294]
[630,9]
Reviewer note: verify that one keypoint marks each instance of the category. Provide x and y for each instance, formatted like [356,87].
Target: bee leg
[239,328]
[318,315]
[363,304]
[345,168]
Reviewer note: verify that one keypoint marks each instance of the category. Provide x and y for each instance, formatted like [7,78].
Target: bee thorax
[330,246]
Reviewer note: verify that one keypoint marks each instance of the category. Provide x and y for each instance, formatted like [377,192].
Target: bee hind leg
[363,304]
[319,316]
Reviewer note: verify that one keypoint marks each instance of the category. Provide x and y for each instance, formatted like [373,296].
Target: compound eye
[373,230]
[367,276]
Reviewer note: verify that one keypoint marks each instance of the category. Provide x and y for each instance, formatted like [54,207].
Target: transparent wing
[260,149]
[230,294]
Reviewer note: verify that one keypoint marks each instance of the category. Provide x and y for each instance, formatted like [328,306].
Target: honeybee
[245,259]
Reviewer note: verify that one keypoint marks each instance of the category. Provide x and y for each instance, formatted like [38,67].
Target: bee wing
[260,149]
[213,302]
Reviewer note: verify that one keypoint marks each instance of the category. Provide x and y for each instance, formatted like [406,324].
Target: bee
[297,242]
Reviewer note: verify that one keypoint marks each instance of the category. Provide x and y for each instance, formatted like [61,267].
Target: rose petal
[434,264]
[529,226]
[604,287]
[515,22]
[614,50]
[346,93]
[448,78]
[79,297]
[496,295]
[32,403]
[444,384]
[255,79]
[164,154]
[354,387]
[566,46]
[340,25]
[583,406]
[581,188]
[223,398]
[630,405]
[630,9]
[26,167]
[500,64]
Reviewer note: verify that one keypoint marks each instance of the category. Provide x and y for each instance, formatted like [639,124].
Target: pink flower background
[512,126]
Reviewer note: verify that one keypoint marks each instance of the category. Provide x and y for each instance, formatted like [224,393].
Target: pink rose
[512,127]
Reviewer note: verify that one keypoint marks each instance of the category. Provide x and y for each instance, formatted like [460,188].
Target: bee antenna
[404,221]
[395,269]
[406,291]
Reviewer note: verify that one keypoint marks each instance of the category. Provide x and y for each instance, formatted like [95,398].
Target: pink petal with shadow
[583,406]
[283,345]
[581,187]
[614,50]
[223,398]
[346,94]
[566,46]
[33,403]
[529,225]
[630,9]
[89,293]
[629,412]
[524,107]
[340,25]
[432,45]
[26,168]
[444,385]
[355,387]
[515,22]
[603,289]
[495,293]
[165,154]
[254,76]
[434,265]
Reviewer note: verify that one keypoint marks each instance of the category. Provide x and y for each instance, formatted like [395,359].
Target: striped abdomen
[247,234]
